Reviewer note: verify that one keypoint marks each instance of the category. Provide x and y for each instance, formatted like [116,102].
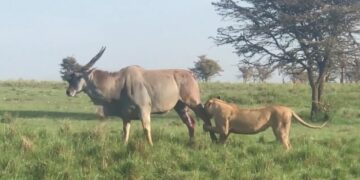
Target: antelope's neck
[102,86]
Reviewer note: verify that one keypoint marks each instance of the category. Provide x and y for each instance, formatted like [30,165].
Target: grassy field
[46,135]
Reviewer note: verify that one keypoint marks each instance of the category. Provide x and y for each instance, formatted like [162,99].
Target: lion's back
[280,111]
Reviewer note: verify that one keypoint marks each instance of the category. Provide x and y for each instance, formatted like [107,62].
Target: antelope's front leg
[145,120]
[126,130]
[100,113]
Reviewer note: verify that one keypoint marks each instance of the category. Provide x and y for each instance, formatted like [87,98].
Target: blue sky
[35,35]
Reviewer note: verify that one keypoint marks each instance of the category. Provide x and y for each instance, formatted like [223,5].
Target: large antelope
[135,93]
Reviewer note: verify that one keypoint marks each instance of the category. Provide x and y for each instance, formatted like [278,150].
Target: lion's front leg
[223,134]
[223,138]
[224,128]
[208,128]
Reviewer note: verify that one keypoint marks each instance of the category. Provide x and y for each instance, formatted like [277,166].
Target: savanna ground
[46,135]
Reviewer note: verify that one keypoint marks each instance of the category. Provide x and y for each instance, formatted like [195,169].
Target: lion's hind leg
[286,131]
[285,140]
[281,132]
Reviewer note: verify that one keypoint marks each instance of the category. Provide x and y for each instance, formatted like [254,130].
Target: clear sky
[36,35]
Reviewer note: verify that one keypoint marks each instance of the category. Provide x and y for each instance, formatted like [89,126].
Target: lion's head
[211,106]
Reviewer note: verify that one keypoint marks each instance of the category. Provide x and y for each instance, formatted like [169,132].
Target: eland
[136,93]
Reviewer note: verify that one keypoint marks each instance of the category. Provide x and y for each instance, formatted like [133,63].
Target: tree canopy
[206,68]
[303,34]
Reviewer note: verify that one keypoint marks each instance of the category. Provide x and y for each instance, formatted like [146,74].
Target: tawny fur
[229,118]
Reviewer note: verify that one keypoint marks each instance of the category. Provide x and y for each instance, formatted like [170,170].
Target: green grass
[46,135]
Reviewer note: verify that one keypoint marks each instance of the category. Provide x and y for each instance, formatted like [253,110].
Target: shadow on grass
[51,114]
[78,115]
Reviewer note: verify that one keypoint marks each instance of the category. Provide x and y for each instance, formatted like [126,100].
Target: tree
[349,69]
[307,34]
[263,73]
[353,71]
[296,75]
[206,68]
[256,72]
[247,72]
[69,65]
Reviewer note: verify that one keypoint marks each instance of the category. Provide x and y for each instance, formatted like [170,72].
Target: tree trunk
[342,74]
[314,100]
[206,79]
[317,87]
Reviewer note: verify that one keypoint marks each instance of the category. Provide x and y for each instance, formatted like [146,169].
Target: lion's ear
[209,102]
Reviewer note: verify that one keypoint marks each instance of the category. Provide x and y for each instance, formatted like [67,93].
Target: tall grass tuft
[100,132]
[140,148]
[26,144]
[86,165]
[65,128]
[57,149]
[37,170]
[104,163]
[11,132]
[130,170]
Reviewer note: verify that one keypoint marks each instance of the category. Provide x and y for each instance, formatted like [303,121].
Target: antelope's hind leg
[182,111]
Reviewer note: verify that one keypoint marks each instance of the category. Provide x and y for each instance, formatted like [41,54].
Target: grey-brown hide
[135,93]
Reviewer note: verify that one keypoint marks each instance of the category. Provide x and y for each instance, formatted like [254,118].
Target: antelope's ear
[89,71]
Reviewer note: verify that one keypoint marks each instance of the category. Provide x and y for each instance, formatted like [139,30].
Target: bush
[7,118]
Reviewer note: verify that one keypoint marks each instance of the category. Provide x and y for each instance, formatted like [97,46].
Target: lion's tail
[301,121]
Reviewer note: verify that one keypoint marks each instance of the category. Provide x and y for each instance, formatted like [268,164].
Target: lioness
[229,118]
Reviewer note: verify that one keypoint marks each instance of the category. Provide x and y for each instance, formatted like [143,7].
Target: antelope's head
[76,74]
